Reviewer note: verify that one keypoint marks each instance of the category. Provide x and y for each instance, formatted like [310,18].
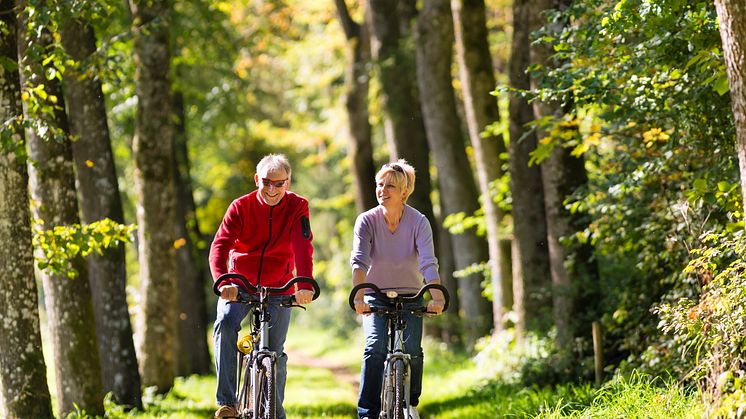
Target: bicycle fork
[395,361]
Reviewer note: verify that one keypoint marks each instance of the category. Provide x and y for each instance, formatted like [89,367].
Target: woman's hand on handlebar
[229,292]
[435,306]
[361,307]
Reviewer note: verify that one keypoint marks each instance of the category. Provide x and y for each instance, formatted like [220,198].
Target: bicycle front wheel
[244,389]
[266,386]
[401,409]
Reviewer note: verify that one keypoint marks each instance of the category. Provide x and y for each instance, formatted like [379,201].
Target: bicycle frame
[256,393]
[395,397]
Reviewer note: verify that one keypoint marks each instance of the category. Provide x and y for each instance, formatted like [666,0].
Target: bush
[711,330]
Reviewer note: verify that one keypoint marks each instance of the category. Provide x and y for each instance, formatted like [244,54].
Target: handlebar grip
[420,293]
[441,288]
[223,278]
[358,287]
[305,280]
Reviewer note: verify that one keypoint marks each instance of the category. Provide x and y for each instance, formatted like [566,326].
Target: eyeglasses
[394,166]
[276,183]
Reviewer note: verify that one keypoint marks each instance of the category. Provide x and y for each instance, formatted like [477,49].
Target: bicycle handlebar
[398,298]
[270,290]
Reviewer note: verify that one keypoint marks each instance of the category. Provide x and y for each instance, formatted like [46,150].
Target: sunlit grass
[191,397]
[313,392]
[637,397]
[455,387]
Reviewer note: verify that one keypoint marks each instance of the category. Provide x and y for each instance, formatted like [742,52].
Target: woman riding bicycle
[393,249]
[264,236]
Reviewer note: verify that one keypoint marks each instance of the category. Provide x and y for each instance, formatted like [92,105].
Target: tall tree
[458,191]
[153,151]
[99,198]
[574,285]
[68,302]
[732,25]
[360,145]
[531,276]
[193,356]
[405,129]
[23,381]
[478,80]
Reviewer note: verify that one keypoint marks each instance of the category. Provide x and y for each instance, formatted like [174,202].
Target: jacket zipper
[261,258]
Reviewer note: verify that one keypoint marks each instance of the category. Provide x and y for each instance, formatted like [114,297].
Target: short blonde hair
[273,162]
[402,174]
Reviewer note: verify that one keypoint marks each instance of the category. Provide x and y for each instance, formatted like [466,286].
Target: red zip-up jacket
[263,243]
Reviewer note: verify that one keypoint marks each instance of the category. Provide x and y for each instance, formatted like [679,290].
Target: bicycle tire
[400,397]
[387,392]
[267,408]
[244,392]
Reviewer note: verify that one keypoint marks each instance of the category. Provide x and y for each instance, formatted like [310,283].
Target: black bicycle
[256,390]
[395,388]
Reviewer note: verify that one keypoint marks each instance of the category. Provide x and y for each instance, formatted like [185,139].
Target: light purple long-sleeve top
[398,260]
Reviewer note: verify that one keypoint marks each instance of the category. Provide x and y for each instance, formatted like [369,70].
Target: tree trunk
[401,102]
[360,145]
[23,381]
[562,174]
[72,327]
[153,152]
[478,80]
[531,275]
[193,356]
[451,326]
[458,191]
[732,23]
[99,198]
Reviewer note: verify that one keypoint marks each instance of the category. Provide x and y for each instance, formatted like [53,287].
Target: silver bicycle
[256,378]
[395,397]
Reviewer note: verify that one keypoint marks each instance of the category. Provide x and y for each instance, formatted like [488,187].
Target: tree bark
[458,191]
[72,327]
[732,24]
[23,381]
[478,80]
[405,129]
[153,152]
[99,197]
[194,355]
[562,174]
[359,145]
[531,275]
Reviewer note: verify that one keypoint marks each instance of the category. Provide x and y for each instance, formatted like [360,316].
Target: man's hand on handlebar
[303,296]
[229,292]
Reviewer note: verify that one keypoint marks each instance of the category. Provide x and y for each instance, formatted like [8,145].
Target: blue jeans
[374,356]
[225,334]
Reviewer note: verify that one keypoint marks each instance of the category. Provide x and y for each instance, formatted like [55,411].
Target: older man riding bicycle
[264,236]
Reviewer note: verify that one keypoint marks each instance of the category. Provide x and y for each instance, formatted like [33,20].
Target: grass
[455,387]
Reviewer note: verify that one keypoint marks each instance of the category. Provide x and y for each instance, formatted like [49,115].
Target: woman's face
[388,192]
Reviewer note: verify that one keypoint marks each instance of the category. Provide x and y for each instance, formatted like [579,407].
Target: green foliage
[711,329]
[60,245]
[642,81]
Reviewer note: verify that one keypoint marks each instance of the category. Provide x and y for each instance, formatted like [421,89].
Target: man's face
[272,185]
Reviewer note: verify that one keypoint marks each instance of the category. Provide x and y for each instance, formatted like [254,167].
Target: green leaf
[721,85]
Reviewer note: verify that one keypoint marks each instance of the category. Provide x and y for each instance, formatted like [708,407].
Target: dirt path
[341,372]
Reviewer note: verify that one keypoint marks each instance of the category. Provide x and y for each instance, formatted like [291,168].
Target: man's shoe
[226,411]
[413,413]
